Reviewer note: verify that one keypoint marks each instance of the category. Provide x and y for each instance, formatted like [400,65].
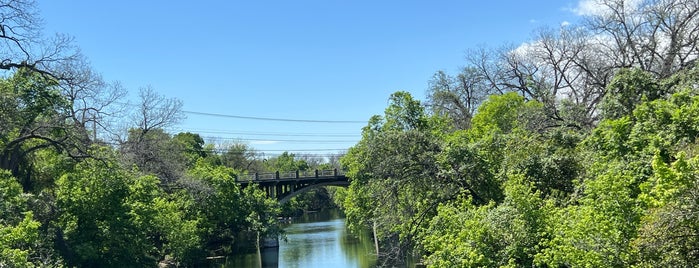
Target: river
[315,240]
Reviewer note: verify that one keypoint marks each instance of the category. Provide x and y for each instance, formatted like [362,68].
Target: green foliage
[112,217]
[404,113]
[467,166]
[261,213]
[532,193]
[16,242]
[597,231]
[286,162]
[505,235]
[220,202]
[18,229]
[498,114]
[33,117]
[394,165]
[191,146]
[628,89]
[100,225]
[669,232]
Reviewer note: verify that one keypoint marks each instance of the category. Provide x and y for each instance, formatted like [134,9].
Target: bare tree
[147,145]
[156,111]
[570,68]
[458,97]
[658,36]
[94,103]
[241,156]
[23,44]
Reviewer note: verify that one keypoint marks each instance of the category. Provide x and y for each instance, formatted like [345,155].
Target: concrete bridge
[285,185]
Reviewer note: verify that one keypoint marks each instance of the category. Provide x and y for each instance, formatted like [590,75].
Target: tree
[393,170]
[628,89]
[94,103]
[219,202]
[597,232]
[457,97]
[148,146]
[240,156]
[113,217]
[504,235]
[668,234]
[18,229]
[99,224]
[24,45]
[155,153]
[261,214]
[156,111]
[659,36]
[286,162]
[35,117]
[190,146]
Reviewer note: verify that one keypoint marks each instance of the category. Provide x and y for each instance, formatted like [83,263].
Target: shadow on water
[314,240]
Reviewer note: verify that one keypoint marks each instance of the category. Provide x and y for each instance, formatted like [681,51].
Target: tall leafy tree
[394,166]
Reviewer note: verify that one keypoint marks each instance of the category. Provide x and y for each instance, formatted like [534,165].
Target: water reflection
[315,240]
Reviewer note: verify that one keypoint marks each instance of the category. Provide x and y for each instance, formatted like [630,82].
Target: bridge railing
[290,175]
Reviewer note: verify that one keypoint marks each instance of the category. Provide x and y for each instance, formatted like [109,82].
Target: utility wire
[261,118]
[275,119]
[281,134]
[280,140]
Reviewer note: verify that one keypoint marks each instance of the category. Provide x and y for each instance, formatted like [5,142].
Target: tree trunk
[376,239]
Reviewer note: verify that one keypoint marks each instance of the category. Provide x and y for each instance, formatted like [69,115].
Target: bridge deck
[292,175]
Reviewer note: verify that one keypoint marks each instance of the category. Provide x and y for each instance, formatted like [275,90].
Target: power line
[255,151]
[280,140]
[281,134]
[261,118]
[275,119]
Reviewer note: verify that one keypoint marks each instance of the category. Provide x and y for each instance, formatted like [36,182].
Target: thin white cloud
[532,21]
[589,7]
[597,7]
[565,23]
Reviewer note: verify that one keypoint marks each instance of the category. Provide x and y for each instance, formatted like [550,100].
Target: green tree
[219,202]
[18,229]
[669,231]
[112,217]
[286,162]
[261,214]
[190,146]
[34,117]
[597,232]
[98,223]
[504,235]
[394,189]
[628,88]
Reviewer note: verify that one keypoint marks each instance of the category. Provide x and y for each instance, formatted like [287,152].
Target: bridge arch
[283,198]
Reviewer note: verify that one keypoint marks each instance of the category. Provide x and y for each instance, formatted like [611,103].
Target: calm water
[315,240]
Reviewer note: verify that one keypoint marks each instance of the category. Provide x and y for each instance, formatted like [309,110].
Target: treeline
[577,149]
[87,180]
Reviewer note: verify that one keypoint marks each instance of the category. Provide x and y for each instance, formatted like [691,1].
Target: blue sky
[309,60]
